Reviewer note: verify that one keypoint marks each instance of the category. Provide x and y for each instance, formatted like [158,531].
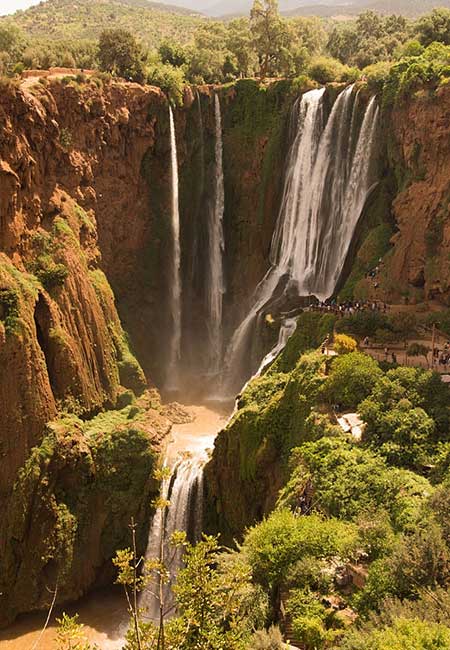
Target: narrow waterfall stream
[186,456]
[216,281]
[175,287]
[327,182]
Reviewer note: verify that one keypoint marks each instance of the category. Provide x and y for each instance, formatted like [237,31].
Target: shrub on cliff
[52,275]
[312,329]
[349,481]
[169,78]
[9,307]
[84,481]
[325,70]
[121,54]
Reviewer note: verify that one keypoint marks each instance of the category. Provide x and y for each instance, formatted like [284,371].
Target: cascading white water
[184,491]
[216,283]
[175,287]
[287,329]
[327,183]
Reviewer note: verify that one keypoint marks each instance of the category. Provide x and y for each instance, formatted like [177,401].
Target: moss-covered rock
[275,413]
[72,503]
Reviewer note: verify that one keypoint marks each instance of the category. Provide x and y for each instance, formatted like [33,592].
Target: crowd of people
[349,307]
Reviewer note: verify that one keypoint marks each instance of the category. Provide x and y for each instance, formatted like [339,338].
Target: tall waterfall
[184,491]
[328,179]
[175,288]
[216,284]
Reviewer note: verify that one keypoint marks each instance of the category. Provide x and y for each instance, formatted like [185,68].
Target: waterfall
[184,491]
[175,288]
[287,329]
[216,284]
[327,181]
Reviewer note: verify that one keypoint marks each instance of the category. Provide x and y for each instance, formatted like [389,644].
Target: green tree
[324,70]
[172,53]
[70,634]
[239,43]
[283,539]
[343,42]
[120,53]
[352,379]
[270,37]
[217,605]
[206,58]
[434,27]
[169,78]
[12,45]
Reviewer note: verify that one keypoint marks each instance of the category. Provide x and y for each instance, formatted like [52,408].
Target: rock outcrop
[408,223]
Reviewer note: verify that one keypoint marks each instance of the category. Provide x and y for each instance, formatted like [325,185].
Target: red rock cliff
[72,201]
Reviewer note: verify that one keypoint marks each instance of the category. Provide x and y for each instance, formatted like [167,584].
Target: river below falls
[104,613]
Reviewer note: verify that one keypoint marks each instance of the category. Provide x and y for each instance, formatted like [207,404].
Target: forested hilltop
[173,48]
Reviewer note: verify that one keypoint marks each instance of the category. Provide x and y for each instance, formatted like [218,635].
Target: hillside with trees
[85,20]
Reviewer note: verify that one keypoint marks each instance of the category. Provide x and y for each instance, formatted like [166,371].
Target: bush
[352,379]
[325,70]
[270,640]
[363,323]
[412,634]
[170,79]
[283,539]
[52,276]
[350,482]
[418,350]
[344,344]
[65,138]
[309,618]
[377,74]
[9,307]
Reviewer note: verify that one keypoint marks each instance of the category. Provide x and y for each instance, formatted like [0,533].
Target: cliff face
[249,464]
[72,504]
[69,186]
[73,205]
[408,221]
[421,159]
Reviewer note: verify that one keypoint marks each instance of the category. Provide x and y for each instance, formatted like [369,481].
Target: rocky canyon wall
[73,205]
[408,224]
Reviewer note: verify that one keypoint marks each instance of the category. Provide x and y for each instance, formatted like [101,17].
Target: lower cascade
[184,491]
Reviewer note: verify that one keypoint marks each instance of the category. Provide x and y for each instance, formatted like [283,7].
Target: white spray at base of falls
[184,491]
[328,179]
[216,282]
[175,287]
